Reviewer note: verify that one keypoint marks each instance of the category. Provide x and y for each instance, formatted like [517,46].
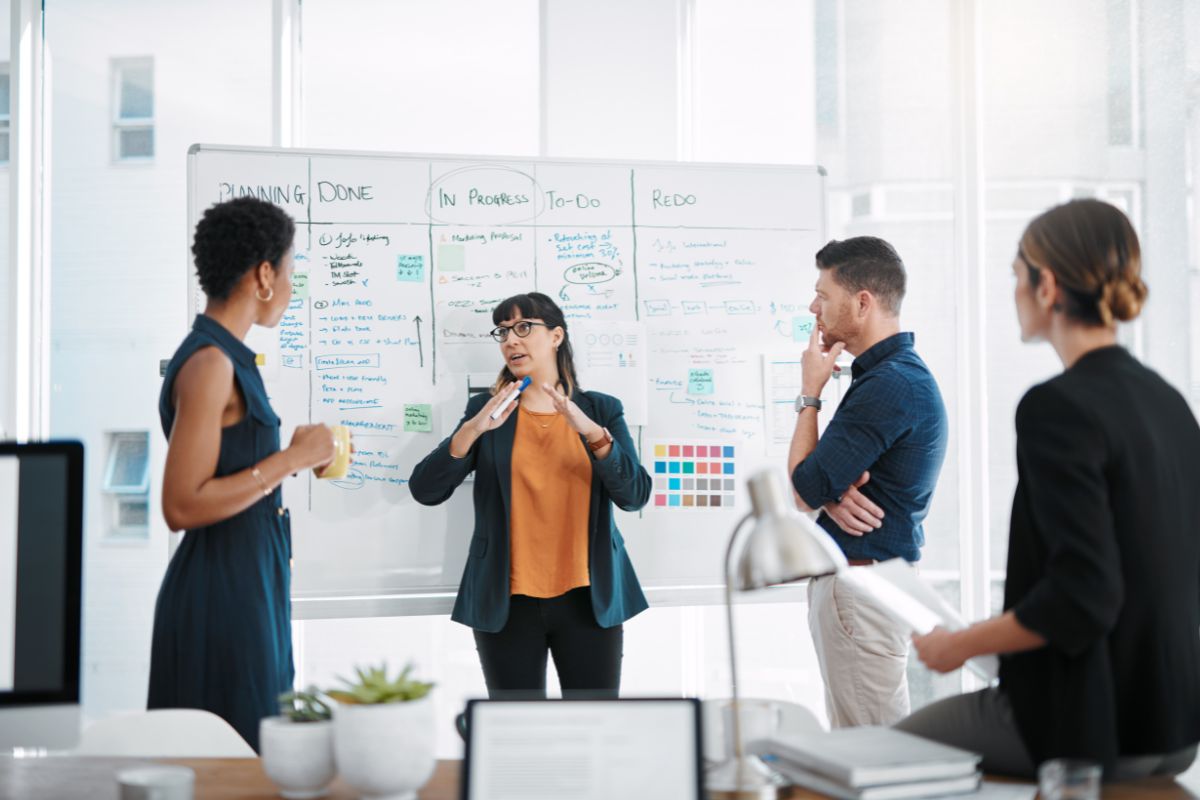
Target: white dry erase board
[679,281]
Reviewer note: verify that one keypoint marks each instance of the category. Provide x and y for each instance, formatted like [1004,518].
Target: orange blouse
[551,497]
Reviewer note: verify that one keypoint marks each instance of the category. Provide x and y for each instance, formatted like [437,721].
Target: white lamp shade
[783,545]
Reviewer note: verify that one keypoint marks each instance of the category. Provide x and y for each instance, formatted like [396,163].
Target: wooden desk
[243,779]
[216,778]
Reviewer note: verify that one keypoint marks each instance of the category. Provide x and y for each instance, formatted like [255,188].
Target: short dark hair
[866,263]
[234,237]
[535,305]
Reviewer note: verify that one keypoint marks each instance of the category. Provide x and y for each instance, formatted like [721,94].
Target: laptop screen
[585,749]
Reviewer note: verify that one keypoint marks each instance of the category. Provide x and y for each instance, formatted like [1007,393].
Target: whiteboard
[679,281]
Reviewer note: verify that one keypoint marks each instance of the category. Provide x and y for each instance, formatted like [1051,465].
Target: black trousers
[586,656]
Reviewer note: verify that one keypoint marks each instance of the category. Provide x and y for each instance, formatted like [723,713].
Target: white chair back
[164,733]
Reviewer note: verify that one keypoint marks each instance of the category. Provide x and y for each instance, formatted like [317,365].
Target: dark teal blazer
[619,479]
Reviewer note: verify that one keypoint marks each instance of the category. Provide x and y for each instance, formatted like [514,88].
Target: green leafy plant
[373,687]
[305,706]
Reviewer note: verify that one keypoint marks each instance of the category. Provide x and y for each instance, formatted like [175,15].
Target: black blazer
[1104,562]
[482,601]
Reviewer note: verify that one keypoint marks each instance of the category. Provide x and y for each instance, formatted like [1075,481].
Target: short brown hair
[866,263]
[1093,251]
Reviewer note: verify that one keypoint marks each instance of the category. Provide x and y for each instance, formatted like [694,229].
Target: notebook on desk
[587,749]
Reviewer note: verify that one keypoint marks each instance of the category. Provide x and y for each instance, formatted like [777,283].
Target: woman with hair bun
[1100,636]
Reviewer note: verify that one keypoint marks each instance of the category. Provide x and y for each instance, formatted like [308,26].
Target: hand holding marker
[508,400]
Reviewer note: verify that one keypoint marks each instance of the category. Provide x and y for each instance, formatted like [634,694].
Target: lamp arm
[734,541]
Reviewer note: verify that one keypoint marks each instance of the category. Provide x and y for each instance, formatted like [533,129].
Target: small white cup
[760,720]
[156,783]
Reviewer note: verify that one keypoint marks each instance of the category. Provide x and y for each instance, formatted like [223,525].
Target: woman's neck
[234,317]
[535,398]
[1072,342]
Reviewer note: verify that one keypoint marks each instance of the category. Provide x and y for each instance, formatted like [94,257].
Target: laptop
[633,749]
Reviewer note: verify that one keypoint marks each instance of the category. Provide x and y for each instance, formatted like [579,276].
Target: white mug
[760,720]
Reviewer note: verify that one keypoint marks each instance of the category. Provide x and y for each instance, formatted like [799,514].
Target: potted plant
[383,733]
[297,745]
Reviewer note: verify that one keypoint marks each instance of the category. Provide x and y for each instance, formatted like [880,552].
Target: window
[133,109]
[128,469]
[127,486]
[1122,73]
[826,54]
[5,113]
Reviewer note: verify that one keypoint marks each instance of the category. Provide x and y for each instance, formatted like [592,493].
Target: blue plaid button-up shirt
[892,423]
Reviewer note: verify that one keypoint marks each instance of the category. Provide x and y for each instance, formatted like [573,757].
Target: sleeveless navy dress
[222,623]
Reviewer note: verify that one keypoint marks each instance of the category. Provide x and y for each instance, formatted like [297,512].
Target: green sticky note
[410,268]
[299,285]
[802,327]
[418,418]
[700,381]
[452,257]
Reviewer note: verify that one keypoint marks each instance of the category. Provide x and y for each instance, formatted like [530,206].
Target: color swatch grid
[693,476]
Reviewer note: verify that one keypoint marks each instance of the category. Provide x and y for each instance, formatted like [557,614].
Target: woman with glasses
[547,571]
[1100,636]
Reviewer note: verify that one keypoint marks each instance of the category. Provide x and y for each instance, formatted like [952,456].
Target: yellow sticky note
[660,449]
[260,359]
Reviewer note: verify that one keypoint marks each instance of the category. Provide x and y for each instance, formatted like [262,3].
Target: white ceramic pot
[297,756]
[386,750]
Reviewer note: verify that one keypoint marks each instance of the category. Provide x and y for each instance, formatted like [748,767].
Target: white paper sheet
[912,602]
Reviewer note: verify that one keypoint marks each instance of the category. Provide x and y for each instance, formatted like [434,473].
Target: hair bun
[1123,299]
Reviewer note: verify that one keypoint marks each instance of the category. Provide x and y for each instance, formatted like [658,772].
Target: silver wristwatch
[804,401]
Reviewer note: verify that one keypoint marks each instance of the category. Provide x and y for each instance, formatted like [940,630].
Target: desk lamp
[782,546]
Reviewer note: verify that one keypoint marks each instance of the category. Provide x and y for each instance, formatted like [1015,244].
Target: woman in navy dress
[222,624]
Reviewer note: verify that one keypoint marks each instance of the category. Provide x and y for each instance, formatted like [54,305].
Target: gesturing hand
[816,366]
[566,406]
[855,513]
[483,422]
[940,650]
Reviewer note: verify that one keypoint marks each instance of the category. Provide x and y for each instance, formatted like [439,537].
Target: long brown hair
[1093,251]
[535,305]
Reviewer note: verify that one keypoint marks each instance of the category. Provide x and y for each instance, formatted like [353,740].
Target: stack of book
[871,763]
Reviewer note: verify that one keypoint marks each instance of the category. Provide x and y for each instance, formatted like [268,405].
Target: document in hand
[913,603]
[872,756]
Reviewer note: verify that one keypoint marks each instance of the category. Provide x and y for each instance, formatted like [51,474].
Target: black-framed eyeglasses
[521,328]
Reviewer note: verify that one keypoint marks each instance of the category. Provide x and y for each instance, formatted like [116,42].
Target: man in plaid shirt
[871,474]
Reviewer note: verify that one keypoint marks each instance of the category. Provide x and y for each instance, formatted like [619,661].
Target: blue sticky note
[675,499]
[728,467]
[729,452]
[700,381]
[675,484]
[674,465]
[660,467]
[802,327]
[410,268]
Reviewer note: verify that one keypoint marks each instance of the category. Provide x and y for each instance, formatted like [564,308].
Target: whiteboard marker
[508,400]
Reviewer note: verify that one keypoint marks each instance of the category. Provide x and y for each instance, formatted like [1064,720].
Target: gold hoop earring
[270,294]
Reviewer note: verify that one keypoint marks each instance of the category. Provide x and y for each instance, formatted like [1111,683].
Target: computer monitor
[41,545]
[633,748]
